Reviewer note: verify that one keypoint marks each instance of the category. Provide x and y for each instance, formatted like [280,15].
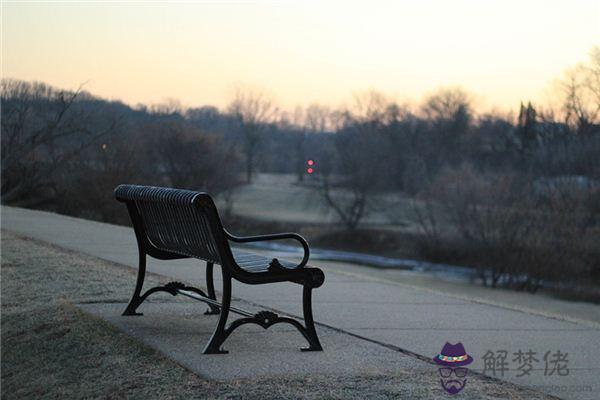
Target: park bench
[173,224]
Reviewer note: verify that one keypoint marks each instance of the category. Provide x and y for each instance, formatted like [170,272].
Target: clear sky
[301,52]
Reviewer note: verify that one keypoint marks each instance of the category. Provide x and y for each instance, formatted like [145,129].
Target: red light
[309,170]
[310,162]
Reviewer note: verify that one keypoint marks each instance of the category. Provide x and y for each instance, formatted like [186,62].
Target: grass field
[279,197]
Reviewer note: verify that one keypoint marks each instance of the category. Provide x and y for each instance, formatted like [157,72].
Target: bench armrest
[273,236]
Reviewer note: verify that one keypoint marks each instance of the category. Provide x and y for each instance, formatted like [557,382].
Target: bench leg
[210,287]
[311,332]
[136,299]
[267,319]
[219,335]
[262,318]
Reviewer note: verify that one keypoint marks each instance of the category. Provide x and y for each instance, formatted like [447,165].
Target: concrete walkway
[371,310]
[181,330]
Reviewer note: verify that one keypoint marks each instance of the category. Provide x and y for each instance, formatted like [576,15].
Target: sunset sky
[144,52]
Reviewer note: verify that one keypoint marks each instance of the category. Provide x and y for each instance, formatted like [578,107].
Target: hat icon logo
[452,361]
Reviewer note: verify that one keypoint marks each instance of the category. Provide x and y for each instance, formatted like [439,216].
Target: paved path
[180,330]
[397,316]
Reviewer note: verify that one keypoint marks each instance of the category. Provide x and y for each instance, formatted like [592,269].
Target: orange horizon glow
[301,53]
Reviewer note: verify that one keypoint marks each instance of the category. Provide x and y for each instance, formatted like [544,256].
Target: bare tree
[449,111]
[253,110]
[42,128]
[359,169]
[294,123]
[305,122]
[316,118]
[168,106]
[580,93]
[87,182]
[515,230]
[192,159]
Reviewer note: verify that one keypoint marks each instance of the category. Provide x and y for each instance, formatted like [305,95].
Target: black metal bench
[173,224]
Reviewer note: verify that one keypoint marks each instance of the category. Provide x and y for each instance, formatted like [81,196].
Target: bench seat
[253,262]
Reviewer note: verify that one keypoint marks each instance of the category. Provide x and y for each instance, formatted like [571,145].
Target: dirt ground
[51,350]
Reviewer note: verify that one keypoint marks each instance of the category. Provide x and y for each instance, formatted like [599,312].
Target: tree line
[503,189]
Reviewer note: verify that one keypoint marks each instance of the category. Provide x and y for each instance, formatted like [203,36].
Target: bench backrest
[176,221]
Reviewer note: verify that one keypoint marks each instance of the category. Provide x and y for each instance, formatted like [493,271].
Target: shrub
[510,234]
